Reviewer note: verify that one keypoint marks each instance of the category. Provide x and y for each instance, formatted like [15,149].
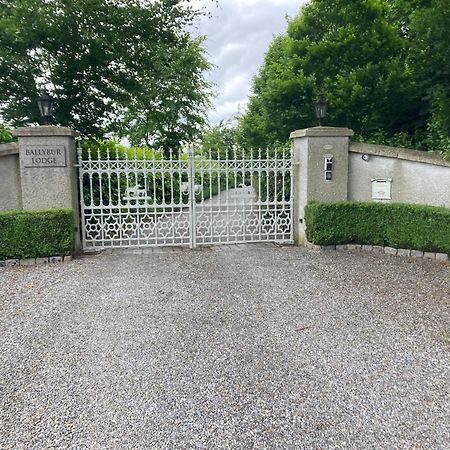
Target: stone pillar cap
[47,130]
[322,132]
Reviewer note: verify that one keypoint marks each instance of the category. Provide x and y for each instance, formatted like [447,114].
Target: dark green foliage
[421,227]
[428,35]
[127,66]
[349,50]
[220,140]
[396,225]
[34,234]
[345,222]
[5,134]
[383,65]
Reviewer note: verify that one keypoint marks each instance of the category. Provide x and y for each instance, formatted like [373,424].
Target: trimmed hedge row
[34,234]
[398,225]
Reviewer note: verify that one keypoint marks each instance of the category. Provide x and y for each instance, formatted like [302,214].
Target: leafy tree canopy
[125,66]
[429,58]
[220,139]
[382,69]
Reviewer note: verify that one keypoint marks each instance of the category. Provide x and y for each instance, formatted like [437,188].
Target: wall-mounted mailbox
[328,167]
[381,188]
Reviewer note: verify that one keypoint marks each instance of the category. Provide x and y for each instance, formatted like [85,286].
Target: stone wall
[310,148]
[359,171]
[39,171]
[10,186]
[415,176]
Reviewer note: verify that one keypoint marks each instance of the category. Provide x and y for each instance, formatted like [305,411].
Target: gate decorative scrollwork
[186,199]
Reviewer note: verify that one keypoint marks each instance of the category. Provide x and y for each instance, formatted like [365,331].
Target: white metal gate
[188,199]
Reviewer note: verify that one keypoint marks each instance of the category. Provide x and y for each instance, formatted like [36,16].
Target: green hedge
[34,234]
[396,225]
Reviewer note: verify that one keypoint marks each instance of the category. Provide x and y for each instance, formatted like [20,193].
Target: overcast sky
[238,35]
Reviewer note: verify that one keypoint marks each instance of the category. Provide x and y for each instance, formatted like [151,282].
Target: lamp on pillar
[321,108]
[45,103]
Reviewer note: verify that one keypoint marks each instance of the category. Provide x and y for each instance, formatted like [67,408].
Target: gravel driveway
[235,347]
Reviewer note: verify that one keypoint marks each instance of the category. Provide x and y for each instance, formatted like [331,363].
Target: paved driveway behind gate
[232,347]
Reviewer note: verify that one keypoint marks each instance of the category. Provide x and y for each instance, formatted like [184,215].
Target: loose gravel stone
[28,262]
[41,260]
[442,256]
[55,259]
[253,347]
[12,262]
[308,245]
[328,247]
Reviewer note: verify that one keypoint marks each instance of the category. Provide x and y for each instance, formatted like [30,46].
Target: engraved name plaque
[44,156]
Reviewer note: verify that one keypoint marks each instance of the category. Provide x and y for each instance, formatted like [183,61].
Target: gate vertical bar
[292,175]
[82,205]
[191,181]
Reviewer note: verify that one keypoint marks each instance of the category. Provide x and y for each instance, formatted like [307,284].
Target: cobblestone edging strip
[35,261]
[442,257]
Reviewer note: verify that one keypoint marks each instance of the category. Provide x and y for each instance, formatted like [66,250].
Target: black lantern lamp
[321,108]
[45,103]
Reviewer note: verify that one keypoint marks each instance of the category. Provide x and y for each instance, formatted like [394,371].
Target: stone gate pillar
[320,157]
[47,157]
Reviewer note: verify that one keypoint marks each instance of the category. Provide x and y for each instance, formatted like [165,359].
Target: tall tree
[352,51]
[106,62]
[429,58]
[172,107]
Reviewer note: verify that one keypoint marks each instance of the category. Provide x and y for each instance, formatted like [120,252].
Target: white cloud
[234,87]
[238,35]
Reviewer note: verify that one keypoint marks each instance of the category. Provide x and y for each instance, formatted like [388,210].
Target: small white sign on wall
[381,188]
